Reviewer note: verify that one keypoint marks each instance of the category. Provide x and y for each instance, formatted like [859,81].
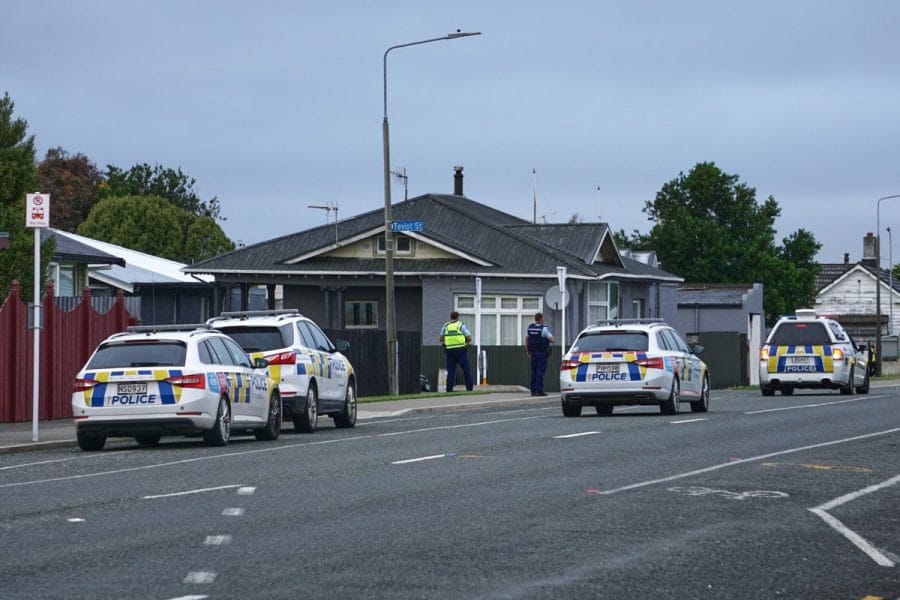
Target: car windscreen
[156,353]
[257,338]
[800,334]
[611,341]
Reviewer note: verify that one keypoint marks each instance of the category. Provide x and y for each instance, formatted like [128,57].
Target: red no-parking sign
[37,210]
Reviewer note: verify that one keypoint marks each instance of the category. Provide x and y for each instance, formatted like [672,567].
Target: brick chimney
[458,181]
[870,243]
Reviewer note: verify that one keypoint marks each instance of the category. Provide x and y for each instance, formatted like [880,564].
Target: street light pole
[878,281]
[890,282]
[390,319]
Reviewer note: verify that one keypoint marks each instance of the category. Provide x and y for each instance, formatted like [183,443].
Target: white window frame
[612,308]
[379,245]
[349,325]
[524,316]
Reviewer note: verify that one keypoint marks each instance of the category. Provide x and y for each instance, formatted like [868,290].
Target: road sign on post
[37,217]
[407,226]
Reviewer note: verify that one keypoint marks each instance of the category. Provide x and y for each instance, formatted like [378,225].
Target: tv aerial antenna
[329,208]
[400,173]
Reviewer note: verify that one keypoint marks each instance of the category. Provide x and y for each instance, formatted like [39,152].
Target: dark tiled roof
[75,251]
[508,244]
[831,272]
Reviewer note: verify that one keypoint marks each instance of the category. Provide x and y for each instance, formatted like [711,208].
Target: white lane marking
[217,540]
[191,597]
[246,490]
[56,460]
[232,512]
[197,491]
[768,410]
[200,577]
[75,520]
[414,460]
[741,461]
[856,539]
[396,413]
[574,435]
[686,421]
[261,450]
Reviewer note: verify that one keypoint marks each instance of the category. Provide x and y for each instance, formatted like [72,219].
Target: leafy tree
[17,178]
[635,241]
[156,226]
[73,183]
[710,229]
[171,184]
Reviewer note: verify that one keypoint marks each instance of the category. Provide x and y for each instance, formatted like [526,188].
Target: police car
[314,376]
[173,380]
[806,350]
[632,362]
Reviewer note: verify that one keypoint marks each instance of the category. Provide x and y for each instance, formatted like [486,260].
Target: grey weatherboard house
[335,273]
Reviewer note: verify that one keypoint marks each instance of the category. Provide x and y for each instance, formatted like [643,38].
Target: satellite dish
[553,298]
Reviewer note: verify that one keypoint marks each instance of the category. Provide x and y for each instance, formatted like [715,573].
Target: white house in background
[848,291]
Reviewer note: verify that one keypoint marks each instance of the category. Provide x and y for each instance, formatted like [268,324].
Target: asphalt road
[793,497]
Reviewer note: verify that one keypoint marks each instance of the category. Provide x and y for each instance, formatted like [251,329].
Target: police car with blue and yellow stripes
[806,350]
[173,380]
[632,361]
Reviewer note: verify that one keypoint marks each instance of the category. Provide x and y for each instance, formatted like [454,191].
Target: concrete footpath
[17,437]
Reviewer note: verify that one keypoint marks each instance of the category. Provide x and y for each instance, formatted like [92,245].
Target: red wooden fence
[67,340]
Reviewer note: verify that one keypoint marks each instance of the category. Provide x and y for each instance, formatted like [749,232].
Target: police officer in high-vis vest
[537,344]
[455,337]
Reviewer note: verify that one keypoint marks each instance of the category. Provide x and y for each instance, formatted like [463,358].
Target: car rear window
[168,353]
[611,341]
[800,334]
[258,338]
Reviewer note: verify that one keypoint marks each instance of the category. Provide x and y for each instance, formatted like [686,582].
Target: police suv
[173,380]
[632,362]
[314,376]
[805,350]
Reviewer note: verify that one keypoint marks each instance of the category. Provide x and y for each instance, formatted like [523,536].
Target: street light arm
[449,36]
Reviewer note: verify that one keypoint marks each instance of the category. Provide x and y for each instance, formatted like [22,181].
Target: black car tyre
[702,405]
[787,391]
[148,439]
[307,421]
[347,418]
[90,443]
[571,409]
[220,433]
[864,388]
[846,390]
[273,424]
[766,390]
[670,406]
[604,409]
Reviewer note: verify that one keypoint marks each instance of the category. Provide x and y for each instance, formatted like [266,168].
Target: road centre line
[767,410]
[574,435]
[741,461]
[686,421]
[233,512]
[414,460]
[260,451]
[197,491]
[191,597]
[68,458]
[856,539]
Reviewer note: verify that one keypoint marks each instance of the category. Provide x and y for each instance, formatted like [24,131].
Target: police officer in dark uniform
[537,344]
[455,337]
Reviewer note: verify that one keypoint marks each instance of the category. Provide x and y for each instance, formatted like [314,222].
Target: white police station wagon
[173,380]
[806,350]
[632,361]
[314,376]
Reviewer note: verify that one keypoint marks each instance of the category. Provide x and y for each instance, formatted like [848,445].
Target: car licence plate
[800,360]
[608,368]
[131,388]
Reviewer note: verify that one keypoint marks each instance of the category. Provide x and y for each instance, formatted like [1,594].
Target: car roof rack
[161,328]
[245,314]
[641,321]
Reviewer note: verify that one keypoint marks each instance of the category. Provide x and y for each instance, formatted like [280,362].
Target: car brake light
[837,354]
[568,364]
[189,381]
[650,363]
[284,358]
[764,353]
[83,385]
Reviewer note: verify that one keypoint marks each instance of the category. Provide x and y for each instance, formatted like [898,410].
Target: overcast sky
[274,106]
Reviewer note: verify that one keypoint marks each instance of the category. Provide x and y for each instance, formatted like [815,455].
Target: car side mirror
[341,346]
[862,347]
[696,349]
[260,363]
